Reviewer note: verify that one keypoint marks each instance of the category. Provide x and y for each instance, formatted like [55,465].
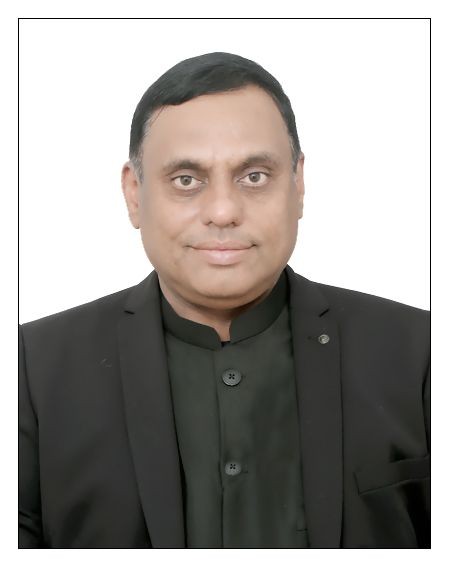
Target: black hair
[206,74]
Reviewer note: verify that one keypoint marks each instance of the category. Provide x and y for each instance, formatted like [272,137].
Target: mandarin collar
[249,323]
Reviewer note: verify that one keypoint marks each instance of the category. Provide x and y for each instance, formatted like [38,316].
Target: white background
[132,48]
[360,93]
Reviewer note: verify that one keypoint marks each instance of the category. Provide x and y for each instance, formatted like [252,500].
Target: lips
[226,245]
[223,256]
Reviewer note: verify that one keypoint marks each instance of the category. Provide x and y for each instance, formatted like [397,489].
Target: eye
[184,181]
[254,177]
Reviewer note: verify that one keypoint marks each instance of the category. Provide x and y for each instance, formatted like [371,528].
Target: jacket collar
[149,414]
[151,424]
[317,366]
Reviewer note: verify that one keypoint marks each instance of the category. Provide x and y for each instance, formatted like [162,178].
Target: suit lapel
[149,414]
[317,368]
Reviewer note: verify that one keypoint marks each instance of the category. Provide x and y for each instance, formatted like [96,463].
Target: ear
[299,183]
[130,188]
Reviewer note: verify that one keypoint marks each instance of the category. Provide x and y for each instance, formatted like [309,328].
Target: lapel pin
[323,339]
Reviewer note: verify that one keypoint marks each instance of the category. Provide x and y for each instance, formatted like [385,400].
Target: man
[224,401]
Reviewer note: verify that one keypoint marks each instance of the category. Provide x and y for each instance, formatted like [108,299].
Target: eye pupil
[183,177]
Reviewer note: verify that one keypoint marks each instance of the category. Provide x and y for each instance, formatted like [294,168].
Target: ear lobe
[300,184]
[130,188]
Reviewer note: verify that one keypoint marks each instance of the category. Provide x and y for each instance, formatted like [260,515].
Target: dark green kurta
[236,417]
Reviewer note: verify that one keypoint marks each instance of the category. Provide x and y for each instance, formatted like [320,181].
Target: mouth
[224,257]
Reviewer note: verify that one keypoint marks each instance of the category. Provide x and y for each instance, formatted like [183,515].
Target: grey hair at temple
[206,74]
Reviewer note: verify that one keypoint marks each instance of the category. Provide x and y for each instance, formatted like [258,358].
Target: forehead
[219,126]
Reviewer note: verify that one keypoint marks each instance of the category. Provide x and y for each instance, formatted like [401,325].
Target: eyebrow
[266,158]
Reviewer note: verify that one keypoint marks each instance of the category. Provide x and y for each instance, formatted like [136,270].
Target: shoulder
[103,310]
[376,315]
[356,301]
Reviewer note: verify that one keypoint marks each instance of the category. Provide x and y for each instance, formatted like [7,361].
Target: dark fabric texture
[250,418]
[99,462]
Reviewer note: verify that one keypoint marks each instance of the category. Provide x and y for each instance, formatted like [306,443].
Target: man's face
[181,208]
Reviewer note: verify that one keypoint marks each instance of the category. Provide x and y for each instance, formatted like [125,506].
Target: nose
[222,204]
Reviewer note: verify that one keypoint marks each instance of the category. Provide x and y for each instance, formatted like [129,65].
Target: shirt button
[231,377]
[233,468]
[323,339]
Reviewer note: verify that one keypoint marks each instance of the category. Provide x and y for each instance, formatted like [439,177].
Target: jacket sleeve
[426,406]
[30,522]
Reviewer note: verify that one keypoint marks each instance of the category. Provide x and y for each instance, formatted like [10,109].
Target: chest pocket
[383,475]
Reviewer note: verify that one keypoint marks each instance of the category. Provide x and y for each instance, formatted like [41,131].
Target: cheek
[280,223]
[163,220]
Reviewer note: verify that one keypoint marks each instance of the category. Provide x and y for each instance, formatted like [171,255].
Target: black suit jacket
[98,456]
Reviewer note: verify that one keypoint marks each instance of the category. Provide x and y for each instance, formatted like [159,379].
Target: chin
[224,288]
